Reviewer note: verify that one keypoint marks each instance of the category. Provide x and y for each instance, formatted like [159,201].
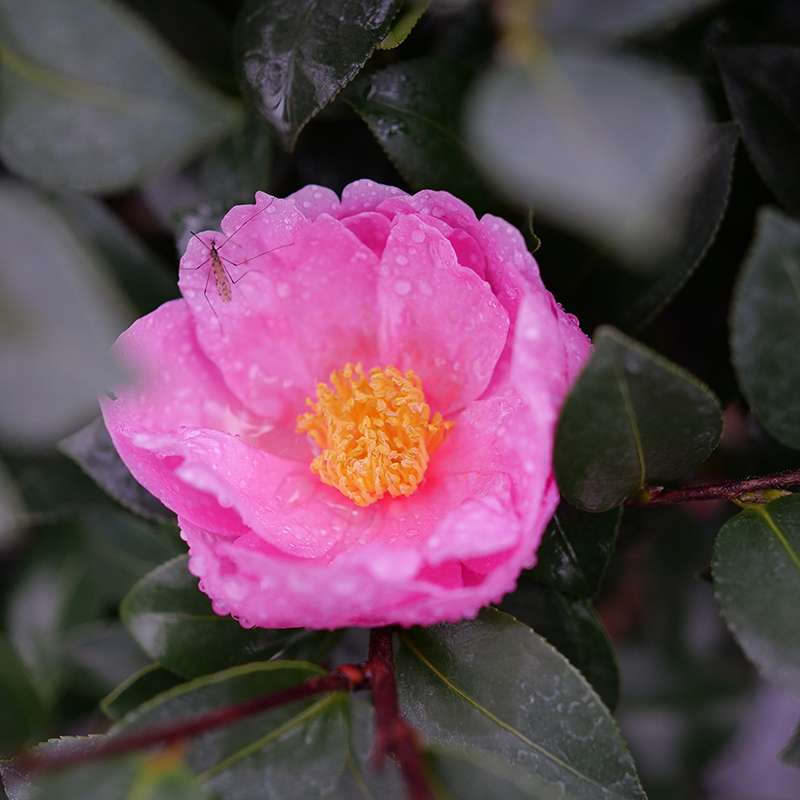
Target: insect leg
[192,269]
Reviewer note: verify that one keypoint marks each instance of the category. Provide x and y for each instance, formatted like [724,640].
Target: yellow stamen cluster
[375,432]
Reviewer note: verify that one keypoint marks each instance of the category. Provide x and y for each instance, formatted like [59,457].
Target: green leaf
[575,551]
[92,449]
[631,301]
[572,627]
[757,583]
[592,141]
[413,109]
[494,684]
[470,774]
[297,55]
[406,23]
[761,84]
[791,753]
[136,690]
[83,117]
[296,749]
[22,716]
[47,344]
[765,336]
[135,777]
[174,624]
[632,419]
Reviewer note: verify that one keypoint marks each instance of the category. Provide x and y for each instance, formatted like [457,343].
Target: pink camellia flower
[352,408]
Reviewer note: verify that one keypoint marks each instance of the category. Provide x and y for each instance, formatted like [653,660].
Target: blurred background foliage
[647,148]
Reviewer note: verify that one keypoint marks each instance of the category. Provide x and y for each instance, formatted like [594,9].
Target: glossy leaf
[173,622]
[92,449]
[592,141]
[757,583]
[765,335]
[632,419]
[137,689]
[414,110]
[44,341]
[572,627]
[83,117]
[494,684]
[575,551]
[763,87]
[297,55]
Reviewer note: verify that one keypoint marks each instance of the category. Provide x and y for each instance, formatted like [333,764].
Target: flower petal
[437,317]
[313,200]
[297,314]
[365,195]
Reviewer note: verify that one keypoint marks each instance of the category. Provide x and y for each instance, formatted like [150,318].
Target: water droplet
[402,287]
[283,289]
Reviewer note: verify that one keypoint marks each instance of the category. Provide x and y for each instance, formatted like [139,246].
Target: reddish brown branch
[749,489]
[346,678]
[395,736]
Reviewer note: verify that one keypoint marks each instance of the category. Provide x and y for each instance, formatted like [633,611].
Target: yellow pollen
[375,432]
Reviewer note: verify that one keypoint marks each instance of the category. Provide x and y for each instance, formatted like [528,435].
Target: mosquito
[223,279]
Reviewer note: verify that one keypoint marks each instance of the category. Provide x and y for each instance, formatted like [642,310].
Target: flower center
[375,432]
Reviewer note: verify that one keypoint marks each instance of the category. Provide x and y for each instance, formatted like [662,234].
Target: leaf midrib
[762,512]
[497,721]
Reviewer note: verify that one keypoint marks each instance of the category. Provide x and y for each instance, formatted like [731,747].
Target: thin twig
[749,489]
[395,736]
[345,678]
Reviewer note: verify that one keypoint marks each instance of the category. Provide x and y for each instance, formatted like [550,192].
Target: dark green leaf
[414,110]
[572,627]
[765,337]
[92,449]
[136,777]
[791,753]
[591,140]
[123,549]
[757,583]
[297,55]
[22,715]
[631,301]
[47,344]
[763,87]
[470,774]
[82,116]
[296,749]
[137,689]
[575,551]
[495,685]
[173,622]
[632,419]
